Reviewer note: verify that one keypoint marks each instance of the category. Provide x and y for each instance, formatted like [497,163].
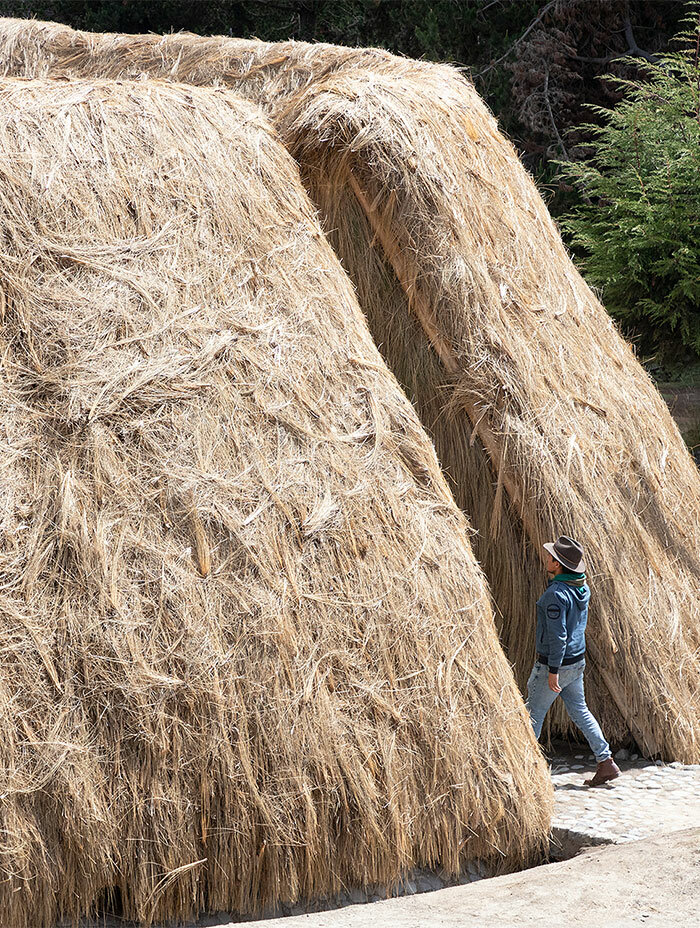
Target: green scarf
[572,579]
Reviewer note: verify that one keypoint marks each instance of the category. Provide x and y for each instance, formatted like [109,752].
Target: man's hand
[554,683]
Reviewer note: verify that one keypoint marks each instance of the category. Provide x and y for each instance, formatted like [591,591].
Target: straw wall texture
[544,421]
[577,439]
[248,656]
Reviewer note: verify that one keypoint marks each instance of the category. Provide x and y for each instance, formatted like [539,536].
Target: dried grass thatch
[541,415]
[540,412]
[248,656]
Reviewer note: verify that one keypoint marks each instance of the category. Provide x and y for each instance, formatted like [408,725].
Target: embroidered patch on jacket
[553,611]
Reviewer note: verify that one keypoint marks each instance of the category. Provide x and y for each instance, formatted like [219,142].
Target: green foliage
[692,437]
[637,227]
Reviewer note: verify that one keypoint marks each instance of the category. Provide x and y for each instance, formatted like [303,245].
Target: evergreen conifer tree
[637,228]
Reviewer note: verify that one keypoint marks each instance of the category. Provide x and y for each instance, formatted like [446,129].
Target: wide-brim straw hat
[568,552]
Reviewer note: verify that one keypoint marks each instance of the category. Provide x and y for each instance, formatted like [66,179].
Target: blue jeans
[540,698]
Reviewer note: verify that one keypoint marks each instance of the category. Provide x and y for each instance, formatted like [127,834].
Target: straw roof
[248,656]
[542,417]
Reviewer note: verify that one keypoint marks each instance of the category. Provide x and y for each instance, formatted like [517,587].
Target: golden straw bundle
[248,656]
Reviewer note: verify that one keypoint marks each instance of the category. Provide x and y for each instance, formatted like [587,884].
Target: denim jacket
[562,613]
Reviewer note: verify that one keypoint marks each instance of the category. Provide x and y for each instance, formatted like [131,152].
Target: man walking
[562,614]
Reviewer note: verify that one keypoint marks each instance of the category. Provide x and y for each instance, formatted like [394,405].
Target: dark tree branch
[548,104]
[631,52]
[606,60]
[540,16]
[483,9]
[560,141]
[634,49]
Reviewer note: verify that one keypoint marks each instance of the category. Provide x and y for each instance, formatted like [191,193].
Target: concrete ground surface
[653,882]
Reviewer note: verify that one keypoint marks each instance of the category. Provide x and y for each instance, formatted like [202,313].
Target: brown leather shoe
[607,770]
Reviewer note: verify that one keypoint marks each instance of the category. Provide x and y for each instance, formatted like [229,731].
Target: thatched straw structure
[540,412]
[248,656]
[541,415]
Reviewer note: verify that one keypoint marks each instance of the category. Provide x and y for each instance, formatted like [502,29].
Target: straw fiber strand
[248,655]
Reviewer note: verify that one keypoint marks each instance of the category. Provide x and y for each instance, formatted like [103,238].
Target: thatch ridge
[265,73]
[540,413]
[248,654]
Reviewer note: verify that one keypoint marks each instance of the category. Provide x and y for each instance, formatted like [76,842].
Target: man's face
[553,566]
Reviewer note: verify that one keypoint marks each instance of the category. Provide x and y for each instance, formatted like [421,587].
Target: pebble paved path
[650,798]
